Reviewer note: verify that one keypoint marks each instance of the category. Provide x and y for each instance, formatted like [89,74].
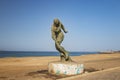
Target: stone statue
[58,36]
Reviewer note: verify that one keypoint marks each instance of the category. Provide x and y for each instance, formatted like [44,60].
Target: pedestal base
[65,68]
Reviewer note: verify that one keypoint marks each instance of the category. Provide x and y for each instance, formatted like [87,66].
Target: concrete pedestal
[65,68]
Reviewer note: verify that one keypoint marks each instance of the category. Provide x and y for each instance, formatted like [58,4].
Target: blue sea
[38,53]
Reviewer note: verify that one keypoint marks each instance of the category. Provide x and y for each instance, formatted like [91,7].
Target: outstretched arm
[62,26]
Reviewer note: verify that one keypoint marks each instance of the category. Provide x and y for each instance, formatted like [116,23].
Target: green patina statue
[58,36]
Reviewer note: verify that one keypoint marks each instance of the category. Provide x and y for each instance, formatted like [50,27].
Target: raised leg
[64,54]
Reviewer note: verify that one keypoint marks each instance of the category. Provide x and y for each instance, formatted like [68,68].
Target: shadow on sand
[45,74]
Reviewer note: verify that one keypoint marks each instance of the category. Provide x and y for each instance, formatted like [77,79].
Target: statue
[58,36]
[66,66]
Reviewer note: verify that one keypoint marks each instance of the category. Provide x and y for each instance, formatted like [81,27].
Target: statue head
[56,22]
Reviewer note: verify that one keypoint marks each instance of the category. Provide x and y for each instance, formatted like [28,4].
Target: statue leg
[62,57]
[64,53]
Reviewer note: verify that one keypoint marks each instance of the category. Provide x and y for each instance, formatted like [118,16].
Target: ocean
[38,53]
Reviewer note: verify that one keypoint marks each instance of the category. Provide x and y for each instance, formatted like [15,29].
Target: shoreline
[4,54]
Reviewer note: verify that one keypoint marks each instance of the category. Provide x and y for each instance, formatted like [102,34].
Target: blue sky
[93,25]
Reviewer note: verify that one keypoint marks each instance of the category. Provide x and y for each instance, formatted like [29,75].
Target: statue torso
[56,29]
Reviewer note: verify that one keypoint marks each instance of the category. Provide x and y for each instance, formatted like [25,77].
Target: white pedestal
[65,68]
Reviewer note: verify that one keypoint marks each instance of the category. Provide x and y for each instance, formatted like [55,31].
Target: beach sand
[35,68]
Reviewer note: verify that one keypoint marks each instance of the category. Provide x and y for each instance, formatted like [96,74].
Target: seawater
[38,53]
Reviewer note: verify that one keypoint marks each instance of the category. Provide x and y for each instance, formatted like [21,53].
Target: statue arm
[53,35]
[63,28]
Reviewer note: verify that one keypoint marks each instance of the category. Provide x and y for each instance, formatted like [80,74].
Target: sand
[35,68]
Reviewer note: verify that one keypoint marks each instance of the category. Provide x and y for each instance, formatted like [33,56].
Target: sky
[92,25]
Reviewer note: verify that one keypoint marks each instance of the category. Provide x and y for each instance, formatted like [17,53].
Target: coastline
[35,68]
[4,54]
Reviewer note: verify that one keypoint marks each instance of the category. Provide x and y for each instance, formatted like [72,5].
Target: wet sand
[35,68]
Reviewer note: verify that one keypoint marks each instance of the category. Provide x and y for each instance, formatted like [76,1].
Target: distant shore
[38,53]
[35,68]
[110,52]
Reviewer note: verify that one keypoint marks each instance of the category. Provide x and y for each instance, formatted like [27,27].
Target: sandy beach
[35,68]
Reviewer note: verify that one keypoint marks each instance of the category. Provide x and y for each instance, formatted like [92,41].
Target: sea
[38,53]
